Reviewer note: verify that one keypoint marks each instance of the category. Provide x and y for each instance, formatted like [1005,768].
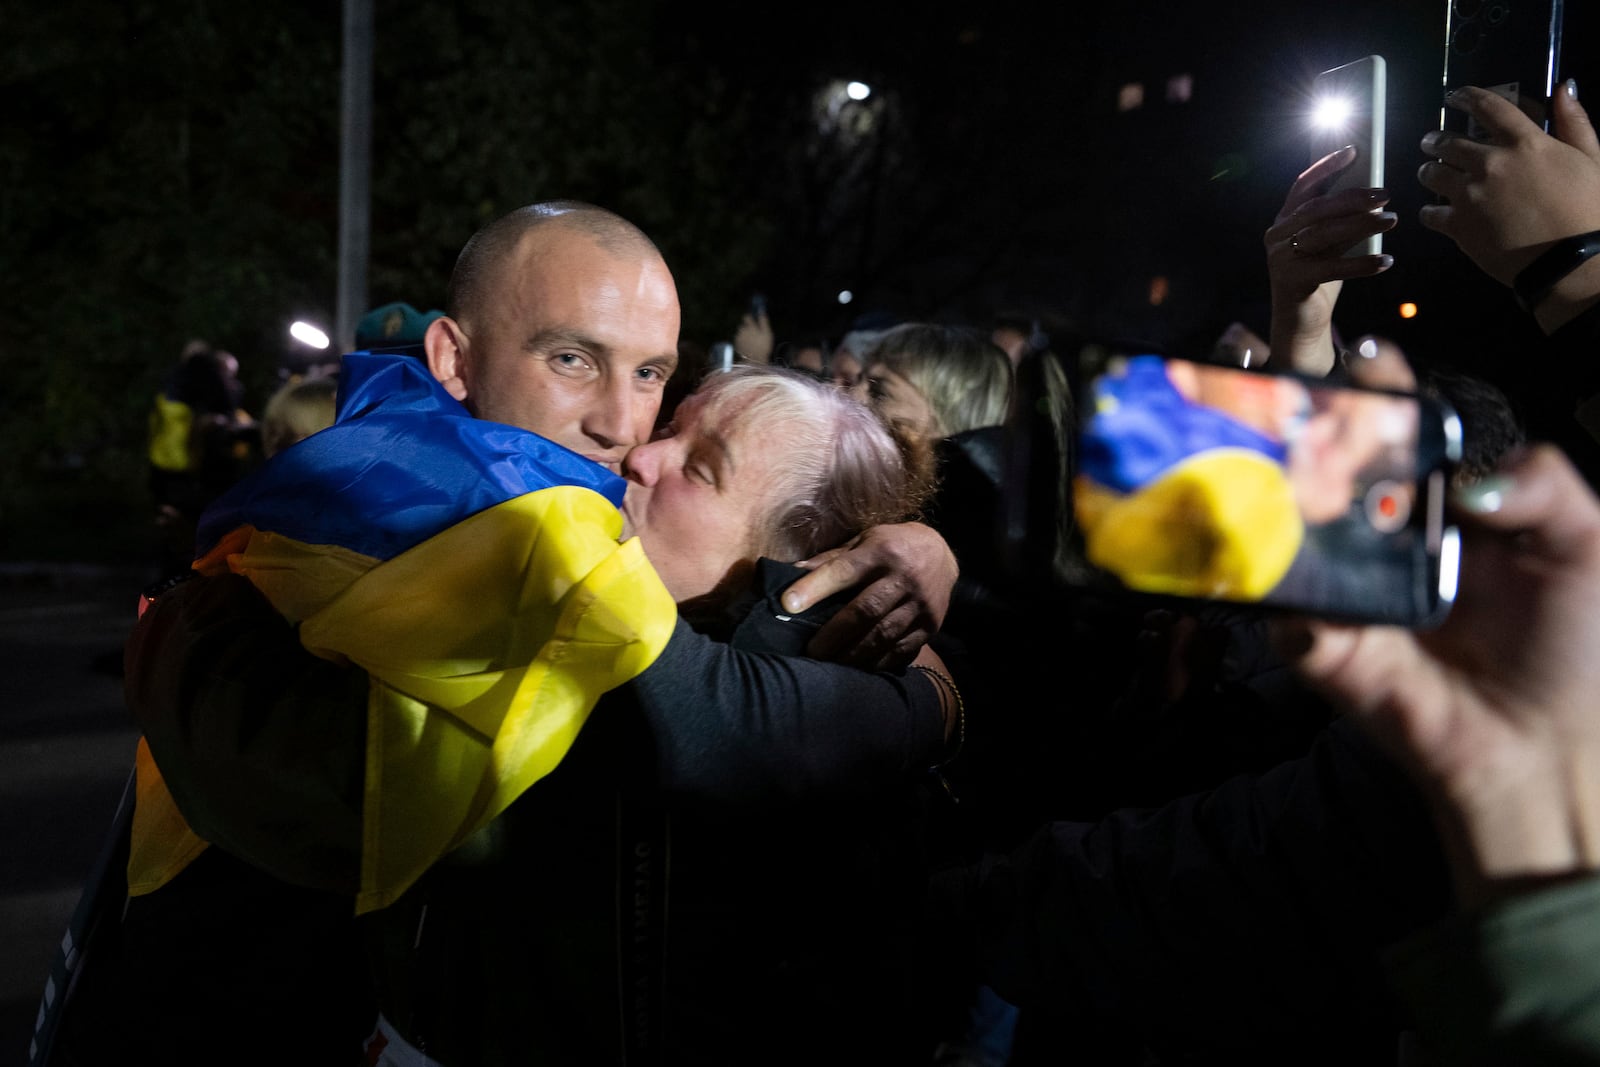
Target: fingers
[1335,236]
[1570,122]
[863,638]
[1538,496]
[1314,178]
[1503,121]
[1443,180]
[1379,363]
[830,572]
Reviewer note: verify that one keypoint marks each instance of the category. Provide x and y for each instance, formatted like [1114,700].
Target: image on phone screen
[1214,483]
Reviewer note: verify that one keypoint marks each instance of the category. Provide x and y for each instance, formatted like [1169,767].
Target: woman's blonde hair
[966,378]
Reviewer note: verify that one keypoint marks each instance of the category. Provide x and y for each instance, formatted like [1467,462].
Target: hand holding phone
[1349,104]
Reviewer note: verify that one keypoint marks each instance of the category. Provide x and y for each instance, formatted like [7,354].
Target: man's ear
[446,348]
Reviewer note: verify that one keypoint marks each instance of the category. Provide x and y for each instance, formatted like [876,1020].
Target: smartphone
[1195,482]
[1510,47]
[1349,103]
[720,356]
[758,306]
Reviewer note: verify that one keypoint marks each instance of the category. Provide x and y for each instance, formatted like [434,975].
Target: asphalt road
[66,747]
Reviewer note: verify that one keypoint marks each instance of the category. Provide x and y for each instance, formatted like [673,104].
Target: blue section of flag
[1142,426]
[403,461]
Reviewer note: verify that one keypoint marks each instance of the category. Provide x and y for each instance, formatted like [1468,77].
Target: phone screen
[1214,483]
[1510,47]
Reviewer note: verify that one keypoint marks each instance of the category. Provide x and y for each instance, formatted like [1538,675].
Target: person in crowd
[200,440]
[598,382]
[949,387]
[1503,757]
[296,411]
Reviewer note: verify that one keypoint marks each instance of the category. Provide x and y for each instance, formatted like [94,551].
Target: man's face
[698,497]
[574,342]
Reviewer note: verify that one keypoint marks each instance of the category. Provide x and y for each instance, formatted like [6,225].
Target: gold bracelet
[946,682]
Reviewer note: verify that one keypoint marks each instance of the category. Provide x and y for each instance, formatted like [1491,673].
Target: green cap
[393,324]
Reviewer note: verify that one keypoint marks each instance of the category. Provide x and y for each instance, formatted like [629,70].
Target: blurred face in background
[899,403]
[846,370]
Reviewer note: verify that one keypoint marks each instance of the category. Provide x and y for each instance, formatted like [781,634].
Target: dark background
[170,170]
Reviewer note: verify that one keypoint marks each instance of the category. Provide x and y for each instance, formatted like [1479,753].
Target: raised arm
[1518,195]
[1306,262]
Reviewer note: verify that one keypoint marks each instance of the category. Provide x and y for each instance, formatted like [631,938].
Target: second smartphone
[1198,482]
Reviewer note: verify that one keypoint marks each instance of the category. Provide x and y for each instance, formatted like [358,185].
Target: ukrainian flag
[471,569]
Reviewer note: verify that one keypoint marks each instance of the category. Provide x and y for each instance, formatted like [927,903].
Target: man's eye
[573,360]
[650,374]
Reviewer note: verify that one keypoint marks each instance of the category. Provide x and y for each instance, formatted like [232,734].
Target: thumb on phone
[1570,121]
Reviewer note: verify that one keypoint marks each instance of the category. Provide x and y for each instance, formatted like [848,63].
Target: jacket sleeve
[1518,983]
[1255,912]
[734,725]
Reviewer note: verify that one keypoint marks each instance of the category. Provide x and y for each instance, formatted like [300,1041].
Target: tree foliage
[170,170]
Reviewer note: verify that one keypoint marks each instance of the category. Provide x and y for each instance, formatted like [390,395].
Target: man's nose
[610,421]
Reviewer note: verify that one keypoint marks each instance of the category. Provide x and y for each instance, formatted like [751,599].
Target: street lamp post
[355,167]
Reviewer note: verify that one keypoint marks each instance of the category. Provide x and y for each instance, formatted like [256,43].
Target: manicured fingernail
[1484,496]
[793,603]
[1572,88]
[1377,195]
[1386,261]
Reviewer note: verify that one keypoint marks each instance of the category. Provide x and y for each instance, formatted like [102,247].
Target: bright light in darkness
[858,90]
[1408,310]
[1332,112]
[308,334]
[845,296]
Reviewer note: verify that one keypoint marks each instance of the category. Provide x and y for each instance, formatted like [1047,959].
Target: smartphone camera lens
[1496,14]
[1465,40]
[1387,506]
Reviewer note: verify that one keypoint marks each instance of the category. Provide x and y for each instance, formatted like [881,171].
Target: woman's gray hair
[844,471]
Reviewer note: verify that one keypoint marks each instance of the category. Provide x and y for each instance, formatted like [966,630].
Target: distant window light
[1130,97]
[1179,88]
[1158,290]
[1408,310]
[845,296]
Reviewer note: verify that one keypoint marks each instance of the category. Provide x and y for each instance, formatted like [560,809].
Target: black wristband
[1535,281]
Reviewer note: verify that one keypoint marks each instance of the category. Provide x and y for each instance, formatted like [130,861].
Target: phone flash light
[1332,112]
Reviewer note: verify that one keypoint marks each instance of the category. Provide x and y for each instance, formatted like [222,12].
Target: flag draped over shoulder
[472,569]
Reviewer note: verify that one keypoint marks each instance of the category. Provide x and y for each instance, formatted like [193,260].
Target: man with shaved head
[562,319]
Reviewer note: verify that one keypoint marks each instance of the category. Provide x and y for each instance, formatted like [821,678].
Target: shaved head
[485,255]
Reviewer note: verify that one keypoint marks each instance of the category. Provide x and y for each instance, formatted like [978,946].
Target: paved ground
[66,747]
